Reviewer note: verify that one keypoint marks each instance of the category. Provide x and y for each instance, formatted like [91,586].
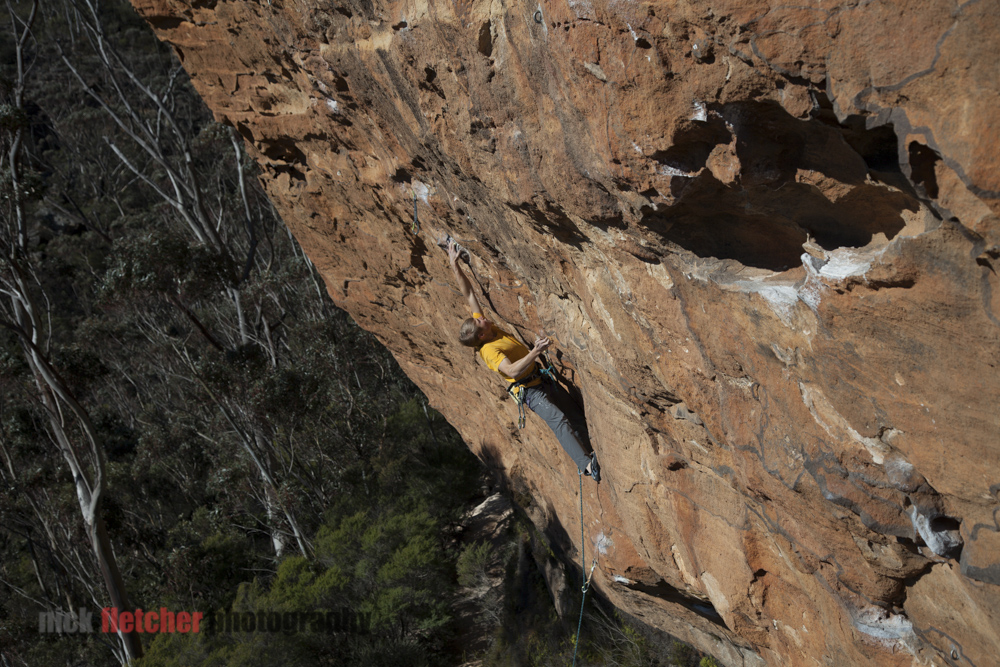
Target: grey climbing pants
[553,404]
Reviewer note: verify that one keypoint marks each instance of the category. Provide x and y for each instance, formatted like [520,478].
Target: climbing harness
[543,370]
[586,577]
[415,227]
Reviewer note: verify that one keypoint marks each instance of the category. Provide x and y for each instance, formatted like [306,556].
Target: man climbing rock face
[518,366]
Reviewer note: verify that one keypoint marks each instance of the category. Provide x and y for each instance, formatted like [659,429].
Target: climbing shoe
[595,468]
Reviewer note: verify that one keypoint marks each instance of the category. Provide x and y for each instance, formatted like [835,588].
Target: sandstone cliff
[764,236]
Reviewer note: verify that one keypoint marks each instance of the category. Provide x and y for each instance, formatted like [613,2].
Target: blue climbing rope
[546,370]
[583,569]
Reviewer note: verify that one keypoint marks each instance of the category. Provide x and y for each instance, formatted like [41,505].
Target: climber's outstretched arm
[463,281]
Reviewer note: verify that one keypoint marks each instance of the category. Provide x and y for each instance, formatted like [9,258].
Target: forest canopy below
[186,420]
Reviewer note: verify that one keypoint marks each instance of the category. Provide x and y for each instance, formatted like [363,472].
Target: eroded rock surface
[764,236]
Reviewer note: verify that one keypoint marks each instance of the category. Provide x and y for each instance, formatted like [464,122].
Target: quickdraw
[516,391]
[415,226]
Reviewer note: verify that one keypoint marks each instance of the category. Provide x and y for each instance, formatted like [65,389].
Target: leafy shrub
[472,564]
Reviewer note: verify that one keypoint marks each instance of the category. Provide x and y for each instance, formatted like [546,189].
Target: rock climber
[518,366]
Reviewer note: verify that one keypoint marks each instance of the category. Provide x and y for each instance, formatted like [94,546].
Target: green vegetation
[378,555]
[241,443]
[529,633]
[472,564]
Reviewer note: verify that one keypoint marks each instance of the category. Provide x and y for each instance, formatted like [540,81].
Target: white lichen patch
[700,113]
[837,426]
[791,633]
[598,306]
[714,591]
[602,543]
[940,542]
[668,170]
[782,300]
[881,624]
[899,471]
[582,8]
[781,296]
[844,263]
[598,73]
[660,275]
[619,283]
[682,567]
[811,290]
[422,191]
[847,262]
[333,105]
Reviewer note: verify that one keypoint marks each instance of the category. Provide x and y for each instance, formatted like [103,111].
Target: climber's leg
[562,400]
[540,400]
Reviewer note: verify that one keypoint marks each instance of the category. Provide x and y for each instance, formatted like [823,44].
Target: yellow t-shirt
[505,346]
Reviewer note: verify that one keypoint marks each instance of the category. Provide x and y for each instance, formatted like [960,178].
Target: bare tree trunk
[251,233]
[38,570]
[113,582]
[20,315]
[14,153]
[261,453]
[277,537]
[273,496]
[86,466]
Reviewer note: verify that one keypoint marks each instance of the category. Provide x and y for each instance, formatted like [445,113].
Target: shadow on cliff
[564,591]
[550,218]
[752,183]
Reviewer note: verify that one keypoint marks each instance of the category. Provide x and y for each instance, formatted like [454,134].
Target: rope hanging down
[586,577]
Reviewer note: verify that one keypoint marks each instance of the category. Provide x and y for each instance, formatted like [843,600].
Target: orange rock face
[764,237]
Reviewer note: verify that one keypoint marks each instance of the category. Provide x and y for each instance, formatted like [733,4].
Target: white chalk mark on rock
[422,191]
[603,543]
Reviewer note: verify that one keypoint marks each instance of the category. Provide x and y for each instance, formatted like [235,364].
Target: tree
[219,413]
[70,427]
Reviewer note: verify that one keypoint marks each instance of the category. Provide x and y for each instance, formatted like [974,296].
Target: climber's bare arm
[463,281]
[514,369]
